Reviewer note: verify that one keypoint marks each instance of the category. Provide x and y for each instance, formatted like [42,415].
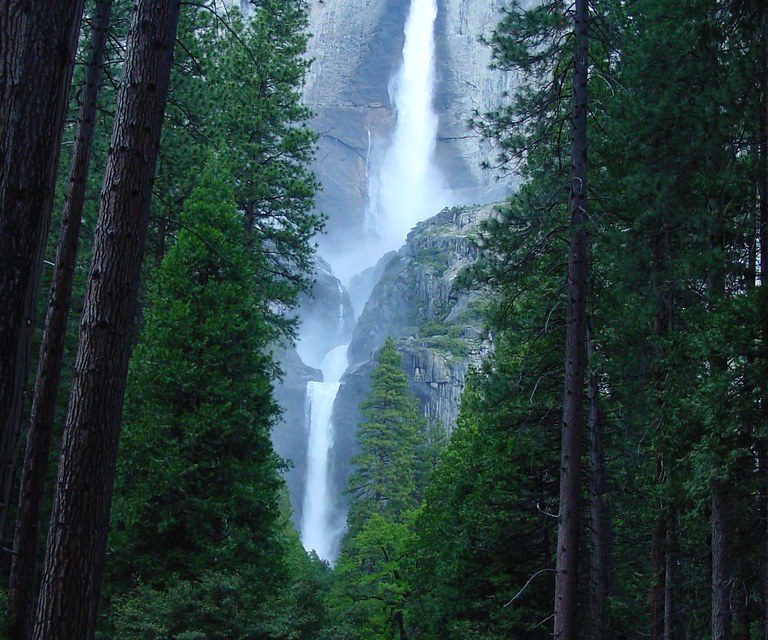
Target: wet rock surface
[437,327]
[289,435]
[356,48]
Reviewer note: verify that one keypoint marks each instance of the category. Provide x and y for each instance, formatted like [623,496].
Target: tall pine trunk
[722,617]
[38,41]
[661,594]
[720,493]
[23,580]
[80,515]
[762,190]
[566,580]
[599,533]
[670,562]
[658,578]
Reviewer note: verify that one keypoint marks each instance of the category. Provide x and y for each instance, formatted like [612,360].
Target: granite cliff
[437,327]
[414,299]
[356,48]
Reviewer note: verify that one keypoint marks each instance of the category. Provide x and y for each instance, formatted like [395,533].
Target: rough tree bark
[658,577]
[670,549]
[38,41]
[80,515]
[722,618]
[722,583]
[599,533]
[661,594]
[566,579]
[762,189]
[23,580]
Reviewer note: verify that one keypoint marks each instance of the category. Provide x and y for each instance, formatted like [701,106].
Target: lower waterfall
[318,532]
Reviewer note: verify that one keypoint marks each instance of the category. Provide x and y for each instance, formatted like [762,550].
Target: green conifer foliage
[389,438]
[197,480]
[261,120]
[371,586]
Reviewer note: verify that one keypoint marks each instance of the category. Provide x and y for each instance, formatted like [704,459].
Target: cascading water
[317,530]
[404,189]
[410,187]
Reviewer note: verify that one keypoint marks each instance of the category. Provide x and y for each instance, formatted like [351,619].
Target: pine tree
[262,122]
[370,582]
[77,535]
[237,88]
[566,582]
[386,470]
[197,487]
[196,471]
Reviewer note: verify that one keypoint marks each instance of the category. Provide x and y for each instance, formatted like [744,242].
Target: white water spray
[406,187]
[411,188]
[317,529]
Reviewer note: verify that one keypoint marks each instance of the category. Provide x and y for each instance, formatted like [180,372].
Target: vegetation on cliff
[607,476]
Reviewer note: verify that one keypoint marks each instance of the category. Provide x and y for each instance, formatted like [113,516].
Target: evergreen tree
[483,557]
[389,437]
[370,580]
[237,88]
[197,479]
[262,123]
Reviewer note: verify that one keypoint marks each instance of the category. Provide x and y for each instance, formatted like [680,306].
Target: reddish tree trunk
[38,41]
[566,580]
[670,548]
[80,515]
[722,618]
[23,580]
[658,576]
[599,534]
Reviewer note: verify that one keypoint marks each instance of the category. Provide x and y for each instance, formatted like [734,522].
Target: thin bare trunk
[598,510]
[23,581]
[762,189]
[77,533]
[566,580]
[658,577]
[670,549]
[722,614]
[722,618]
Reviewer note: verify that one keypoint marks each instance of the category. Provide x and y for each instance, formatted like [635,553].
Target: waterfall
[409,187]
[404,188]
[317,529]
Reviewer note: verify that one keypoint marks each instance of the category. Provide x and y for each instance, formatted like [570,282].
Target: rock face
[326,315]
[437,328]
[356,48]
[410,294]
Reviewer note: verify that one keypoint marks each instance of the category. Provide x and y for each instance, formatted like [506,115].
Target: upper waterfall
[405,186]
[409,187]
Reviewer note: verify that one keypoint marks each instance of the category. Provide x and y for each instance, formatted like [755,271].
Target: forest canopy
[607,475]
